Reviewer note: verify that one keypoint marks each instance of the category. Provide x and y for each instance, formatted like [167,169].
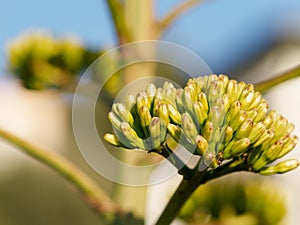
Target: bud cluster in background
[212,116]
[41,60]
[234,202]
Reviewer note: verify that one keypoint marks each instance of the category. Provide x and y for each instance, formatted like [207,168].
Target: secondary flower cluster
[42,60]
[212,116]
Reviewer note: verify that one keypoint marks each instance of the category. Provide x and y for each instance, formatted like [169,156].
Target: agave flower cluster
[42,60]
[212,116]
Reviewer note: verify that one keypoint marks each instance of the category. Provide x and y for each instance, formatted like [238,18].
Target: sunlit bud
[207,130]
[290,144]
[215,91]
[151,91]
[114,120]
[130,102]
[244,129]
[257,131]
[226,102]
[142,100]
[131,135]
[174,131]
[262,109]
[112,139]
[252,113]
[256,100]
[267,156]
[203,100]
[170,95]
[163,131]
[188,127]
[228,134]
[240,88]
[232,90]
[236,148]
[174,114]
[273,152]
[154,128]
[163,113]
[236,121]
[234,110]
[224,79]
[289,128]
[201,144]
[179,103]
[216,116]
[123,113]
[265,138]
[281,167]
[280,126]
[247,92]
[187,99]
[145,118]
[199,112]
[247,99]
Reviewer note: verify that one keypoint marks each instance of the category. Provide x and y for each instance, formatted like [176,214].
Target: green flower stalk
[214,117]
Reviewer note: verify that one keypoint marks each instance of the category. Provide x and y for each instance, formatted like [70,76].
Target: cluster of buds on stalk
[212,116]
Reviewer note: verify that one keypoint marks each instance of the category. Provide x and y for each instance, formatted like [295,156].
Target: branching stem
[187,187]
[268,84]
[94,196]
[164,23]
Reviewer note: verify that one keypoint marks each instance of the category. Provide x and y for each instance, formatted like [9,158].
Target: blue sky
[223,32]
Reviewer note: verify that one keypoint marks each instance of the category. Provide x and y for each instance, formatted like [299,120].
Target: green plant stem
[116,9]
[268,84]
[183,169]
[182,7]
[93,195]
[187,187]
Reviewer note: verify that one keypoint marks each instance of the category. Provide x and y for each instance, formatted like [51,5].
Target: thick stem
[183,192]
[187,187]
[268,84]
[117,12]
[183,169]
[91,192]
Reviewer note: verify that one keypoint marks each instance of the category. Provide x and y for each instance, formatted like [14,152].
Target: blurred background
[45,47]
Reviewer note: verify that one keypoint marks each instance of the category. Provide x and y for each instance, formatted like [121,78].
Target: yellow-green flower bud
[188,99]
[112,139]
[257,131]
[155,132]
[203,100]
[200,113]
[236,148]
[174,131]
[201,144]
[123,113]
[130,102]
[179,103]
[163,113]
[188,127]
[131,136]
[289,145]
[232,90]
[151,91]
[281,167]
[145,118]
[174,114]
[228,134]
[114,120]
[245,129]
[207,130]
[236,121]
